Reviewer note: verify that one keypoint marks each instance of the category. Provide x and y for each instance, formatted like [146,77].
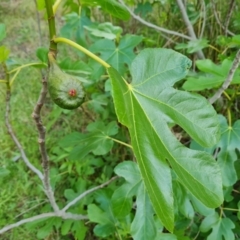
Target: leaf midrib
[167,148]
[173,109]
[146,173]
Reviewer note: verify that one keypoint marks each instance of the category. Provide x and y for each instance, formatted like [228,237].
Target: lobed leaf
[122,197]
[118,56]
[143,226]
[146,106]
[221,227]
[228,144]
[96,140]
[214,75]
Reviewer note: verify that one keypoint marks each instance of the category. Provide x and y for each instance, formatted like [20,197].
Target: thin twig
[160,29]
[41,216]
[229,14]
[62,213]
[39,25]
[39,33]
[204,17]
[29,209]
[228,80]
[74,201]
[218,20]
[169,40]
[189,26]
[42,147]
[10,129]
[37,116]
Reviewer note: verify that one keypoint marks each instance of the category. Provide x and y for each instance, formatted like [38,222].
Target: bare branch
[204,17]
[42,147]
[38,24]
[228,80]
[230,11]
[218,20]
[74,201]
[62,213]
[10,130]
[41,216]
[160,29]
[189,26]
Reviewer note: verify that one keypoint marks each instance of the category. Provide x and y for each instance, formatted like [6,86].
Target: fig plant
[148,104]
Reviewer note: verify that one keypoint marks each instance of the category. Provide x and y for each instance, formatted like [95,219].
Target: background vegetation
[82,156]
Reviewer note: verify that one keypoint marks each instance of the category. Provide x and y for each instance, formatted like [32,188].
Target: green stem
[231,209]
[221,212]
[120,142]
[229,117]
[82,49]
[3,81]
[14,77]
[227,96]
[6,75]
[56,5]
[26,65]
[52,27]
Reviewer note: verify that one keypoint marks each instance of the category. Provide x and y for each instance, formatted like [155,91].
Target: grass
[17,194]
[21,193]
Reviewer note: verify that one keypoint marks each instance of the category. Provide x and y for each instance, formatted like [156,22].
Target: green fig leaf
[110,6]
[122,197]
[79,229]
[221,227]
[117,56]
[212,75]
[228,144]
[143,226]
[42,54]
[97,140]
[145,107]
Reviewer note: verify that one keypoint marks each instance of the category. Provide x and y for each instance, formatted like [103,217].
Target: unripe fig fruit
[65,90]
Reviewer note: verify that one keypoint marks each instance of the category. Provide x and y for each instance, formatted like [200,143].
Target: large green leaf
[97,140]
[193,45]
[79,229]
[122,197]
[42,54]
[114,8]
[75,67]
[110,6]
[183,201]
[143,226]
[105,30]
[228,144]
[145,106]
[221,227]
[166,236]
[74,27]
[214,75]
[117,56]
[103,215]
[105,225]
